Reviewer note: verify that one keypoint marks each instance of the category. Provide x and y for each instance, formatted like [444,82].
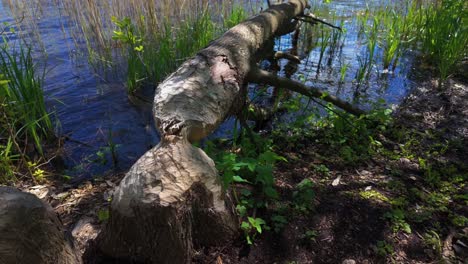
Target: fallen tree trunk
[30,231]
[171,201]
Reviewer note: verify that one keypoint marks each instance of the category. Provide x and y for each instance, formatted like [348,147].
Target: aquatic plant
[237,15]
[336,40]
[324,42]
[150,60]
[343,71]
[391,38]
[445,35]
[128,35]
[23,97]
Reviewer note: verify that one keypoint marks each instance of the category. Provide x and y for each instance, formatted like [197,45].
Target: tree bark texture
[30,231]
[171,201]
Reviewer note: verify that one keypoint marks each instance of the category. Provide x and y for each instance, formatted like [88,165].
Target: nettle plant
[247,167]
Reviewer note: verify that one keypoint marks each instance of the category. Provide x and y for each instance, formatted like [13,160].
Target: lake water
[94,111]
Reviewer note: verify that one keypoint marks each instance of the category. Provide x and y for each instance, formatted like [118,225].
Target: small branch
[310,18]
[288,56]
[261,76]
[11,25]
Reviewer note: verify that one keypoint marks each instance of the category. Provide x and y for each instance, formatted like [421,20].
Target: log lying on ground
[171,200]
[30,231]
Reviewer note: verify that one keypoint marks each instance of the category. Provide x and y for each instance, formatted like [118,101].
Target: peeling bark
[209,87]
[30,231]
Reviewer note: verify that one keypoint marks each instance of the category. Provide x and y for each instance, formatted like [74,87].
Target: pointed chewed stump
[168,203]
[172,201]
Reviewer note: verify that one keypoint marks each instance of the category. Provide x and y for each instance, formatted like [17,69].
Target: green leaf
[237,178]
[103,215]
[251,163]
[241,209]
[249,240]
[406,228]
[270,192]
[246,192]
[279,219]
[139,48]
[245,226]
[265,174]
[256,223]
[228,177]
[270,157]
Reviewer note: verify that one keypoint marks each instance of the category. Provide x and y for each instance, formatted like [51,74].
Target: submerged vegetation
[434,31]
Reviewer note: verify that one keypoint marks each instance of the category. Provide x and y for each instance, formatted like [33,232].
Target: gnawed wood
[30,231]
[209,87]
[171,201]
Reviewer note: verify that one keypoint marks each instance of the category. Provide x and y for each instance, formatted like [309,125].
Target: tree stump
[30,231]
[171,201]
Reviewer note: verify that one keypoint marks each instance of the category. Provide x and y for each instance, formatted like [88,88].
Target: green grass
[393,23]
[237,15]
[438,29]
[445,35]
[25,122]
[23,96]
[150,59]
[324,42]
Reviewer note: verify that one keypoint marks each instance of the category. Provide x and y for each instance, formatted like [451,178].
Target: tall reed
[445,35]
[23,97]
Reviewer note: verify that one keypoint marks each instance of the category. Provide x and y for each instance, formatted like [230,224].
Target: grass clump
[445,35]
[237,15]
[25,123]
[151,57]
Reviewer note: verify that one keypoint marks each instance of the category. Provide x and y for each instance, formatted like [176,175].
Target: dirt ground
[344,225]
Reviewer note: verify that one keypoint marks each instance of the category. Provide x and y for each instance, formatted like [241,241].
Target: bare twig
[310,18]
[11,25]
[288,56]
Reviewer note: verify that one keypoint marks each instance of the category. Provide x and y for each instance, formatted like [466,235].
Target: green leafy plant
[304,195]
[278,222]
[321,169]
[7,159]
[343,71]
[127,34]
[248,168]
[384,249]
[445,35]
[397,218]
[432,240]
[310,235]
[23,102]
[236,16]
[374,195]
[252,227]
